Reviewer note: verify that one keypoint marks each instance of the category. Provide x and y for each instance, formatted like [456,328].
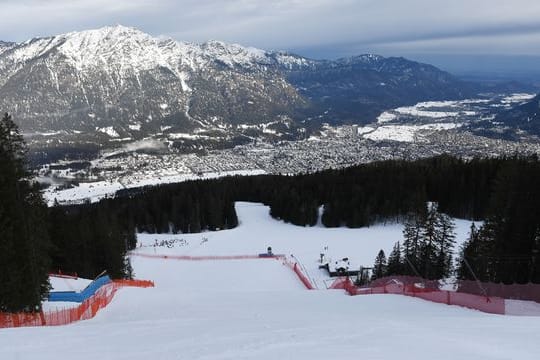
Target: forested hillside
[501,191]
[91,238]
[24,241]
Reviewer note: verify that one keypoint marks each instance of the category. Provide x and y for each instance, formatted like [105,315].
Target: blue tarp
[74,296]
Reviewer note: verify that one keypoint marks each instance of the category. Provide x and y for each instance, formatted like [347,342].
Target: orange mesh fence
[493,305]
[530,292]
[303,277]
[134,283]
[86,310]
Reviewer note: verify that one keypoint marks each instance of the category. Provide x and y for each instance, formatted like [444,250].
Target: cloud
[344,25]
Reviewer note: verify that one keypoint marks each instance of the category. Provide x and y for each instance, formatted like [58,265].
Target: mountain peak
[109,32]
[120,78]
[233,54]
[6,46]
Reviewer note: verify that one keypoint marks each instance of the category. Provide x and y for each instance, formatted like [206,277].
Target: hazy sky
[319,28]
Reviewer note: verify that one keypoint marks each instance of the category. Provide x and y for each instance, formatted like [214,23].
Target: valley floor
[257,309]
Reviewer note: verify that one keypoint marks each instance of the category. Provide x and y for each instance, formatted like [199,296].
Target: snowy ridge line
[212,257]
[491,305]
[85,311]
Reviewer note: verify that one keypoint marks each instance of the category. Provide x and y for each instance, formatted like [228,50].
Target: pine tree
[428,246]
[412,234]
[379,267]
[444,244]
[24,246]
[534,276]
[395,264]
[467,251]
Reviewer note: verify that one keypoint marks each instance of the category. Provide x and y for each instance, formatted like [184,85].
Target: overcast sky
[318,28]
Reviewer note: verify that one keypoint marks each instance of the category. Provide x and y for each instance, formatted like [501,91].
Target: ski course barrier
[492,305]
[298,271]
[73,296]
[205,258]
[294,266]
[86,310]
[527,292]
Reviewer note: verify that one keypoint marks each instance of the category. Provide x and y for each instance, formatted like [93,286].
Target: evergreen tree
[412,237]
[534,276]
[444,245]
[24,246]
[428,246]
[231,220]
[379,267]
[468,250]
[329,217]
[395,264]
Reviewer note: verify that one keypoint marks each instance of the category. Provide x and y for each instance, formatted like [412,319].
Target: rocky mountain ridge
[120,84]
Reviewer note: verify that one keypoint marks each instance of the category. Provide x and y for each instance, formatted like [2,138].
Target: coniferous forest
[423,194]
[24,238]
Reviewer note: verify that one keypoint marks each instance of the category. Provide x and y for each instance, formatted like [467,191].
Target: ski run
[257,308]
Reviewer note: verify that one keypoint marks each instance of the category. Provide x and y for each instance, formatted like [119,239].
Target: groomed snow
[67,284]
[257,309]
[258,230]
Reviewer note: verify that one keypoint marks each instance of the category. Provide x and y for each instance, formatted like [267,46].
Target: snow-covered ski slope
[257,309]
[258,230]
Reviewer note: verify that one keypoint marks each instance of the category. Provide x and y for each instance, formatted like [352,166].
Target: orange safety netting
[493,305]
[86,310]
[303,278]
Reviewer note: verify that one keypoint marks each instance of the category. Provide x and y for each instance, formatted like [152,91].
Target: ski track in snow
[257,309]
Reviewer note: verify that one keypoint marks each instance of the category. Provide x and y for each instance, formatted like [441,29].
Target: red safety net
[299,273]
[530,292]
[86,310]
[493,305]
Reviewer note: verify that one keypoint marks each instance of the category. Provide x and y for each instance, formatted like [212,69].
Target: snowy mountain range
[121,77]
[118,82]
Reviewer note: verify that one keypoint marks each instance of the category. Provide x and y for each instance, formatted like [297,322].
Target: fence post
[475,278]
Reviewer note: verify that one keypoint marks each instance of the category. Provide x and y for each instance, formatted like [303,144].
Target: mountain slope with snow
[140,86]
[257,308]
[121,77]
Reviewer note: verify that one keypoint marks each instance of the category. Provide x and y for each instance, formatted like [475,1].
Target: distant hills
[522,118]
